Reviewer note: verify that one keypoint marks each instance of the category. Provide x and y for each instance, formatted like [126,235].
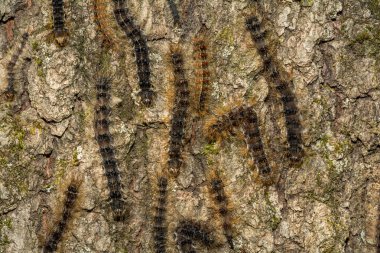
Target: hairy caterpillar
[10,90]
[180,111]
[174,12]
[24,95]
[103,137]
[59,21]
[159,219]
[220,199]
[105,21]
[56,234]
[202,72]
[133,32]
[246,118]
[189,231]
[291,114]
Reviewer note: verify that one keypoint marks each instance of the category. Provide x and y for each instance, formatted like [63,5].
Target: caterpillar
[246,118]
[188,231]
[159,219]
[104,20]
[133,32]
[292,121]
[174,12]
[202,72]
[56,234]
[220,199]
[180,111]
[24,95]
[11,77]
[59,21]
[104,139]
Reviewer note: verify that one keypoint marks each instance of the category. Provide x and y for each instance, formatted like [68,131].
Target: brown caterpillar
[10,90]
[188,231]
[202,73]
[133,32]
[103,137]
[59,21]
[59,229]
[159,220]
[105,21]
[221,201]
[291,113]
[180,111]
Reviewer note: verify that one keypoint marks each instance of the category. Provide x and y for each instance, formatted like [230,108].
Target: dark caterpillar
[59,19]
[104,139]
[10,90]
[220,199]
[254,144]
[189,231]
[202,73]
[246,118]
[180,111]
[133,32]
[55,236]
[174,12]
[159,220]
[291,114]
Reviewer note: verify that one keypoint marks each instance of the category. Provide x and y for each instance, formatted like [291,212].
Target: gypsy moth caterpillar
[11,72]
[221,201]
[59,21]
[106,150]
[133,32]
[59,229]
[246,118]
[202,73]
[291,113]
[180,111]
[174,12]
[189,231]
[105,22]
[159,219]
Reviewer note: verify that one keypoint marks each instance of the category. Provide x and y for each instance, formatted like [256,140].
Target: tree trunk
[189,126]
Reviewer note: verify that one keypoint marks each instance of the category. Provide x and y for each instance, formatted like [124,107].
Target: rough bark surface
[329,49]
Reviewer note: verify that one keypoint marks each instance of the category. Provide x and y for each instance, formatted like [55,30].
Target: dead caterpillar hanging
[59,21]
[59,228]
[180,111]
[292,121]
[133,32]
[174,12]
[221,201]
[11,77]
[159,220]
[202,72]
[103,137]
[188,231]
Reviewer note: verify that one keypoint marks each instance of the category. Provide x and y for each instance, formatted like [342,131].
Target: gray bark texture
[327,50]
